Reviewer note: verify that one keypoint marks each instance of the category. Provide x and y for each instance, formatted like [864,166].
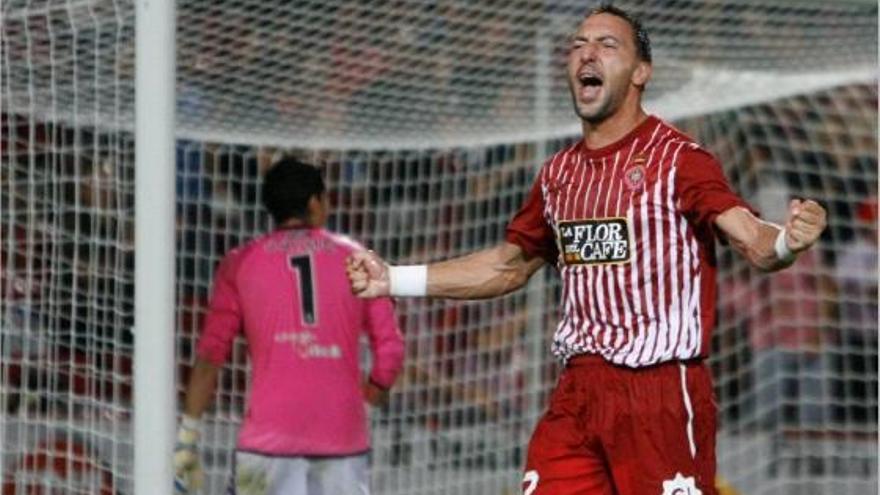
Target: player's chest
[599,212]
[597,189]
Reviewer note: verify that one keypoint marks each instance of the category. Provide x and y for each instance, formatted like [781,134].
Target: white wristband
[410,280]
[782,250]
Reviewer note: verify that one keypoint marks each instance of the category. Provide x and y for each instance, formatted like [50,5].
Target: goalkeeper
[629,215]
[305,425]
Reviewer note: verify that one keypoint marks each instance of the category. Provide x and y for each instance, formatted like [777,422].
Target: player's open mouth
[591,84]
[590,80]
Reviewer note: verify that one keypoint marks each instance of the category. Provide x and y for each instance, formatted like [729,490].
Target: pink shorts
[612,430]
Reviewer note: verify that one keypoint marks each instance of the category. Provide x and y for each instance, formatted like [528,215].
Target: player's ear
[642,74]
[317,206]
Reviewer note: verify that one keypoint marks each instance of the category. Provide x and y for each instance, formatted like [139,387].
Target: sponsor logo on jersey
[594,242]
[681,485]
[306,345]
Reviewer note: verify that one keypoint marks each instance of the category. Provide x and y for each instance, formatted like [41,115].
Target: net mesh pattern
[410,73]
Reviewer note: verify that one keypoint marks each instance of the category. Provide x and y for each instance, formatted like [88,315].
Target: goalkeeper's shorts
[254,474]
[616,430]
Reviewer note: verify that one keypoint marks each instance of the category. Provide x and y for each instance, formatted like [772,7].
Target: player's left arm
[768,246]
[707,201]
[386,346]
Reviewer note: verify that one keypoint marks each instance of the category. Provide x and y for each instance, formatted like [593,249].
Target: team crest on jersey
[634,177]
[594,242]
[681,485]
[634,174]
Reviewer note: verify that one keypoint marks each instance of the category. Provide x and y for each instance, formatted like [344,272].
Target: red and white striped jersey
[630,229]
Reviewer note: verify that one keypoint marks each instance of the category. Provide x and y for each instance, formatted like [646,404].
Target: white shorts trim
[690,410]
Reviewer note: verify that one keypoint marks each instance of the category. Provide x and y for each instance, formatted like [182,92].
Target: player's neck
[294,223]
[614,128]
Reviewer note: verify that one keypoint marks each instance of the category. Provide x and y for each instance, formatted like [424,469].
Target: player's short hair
[640,35]
[287,187]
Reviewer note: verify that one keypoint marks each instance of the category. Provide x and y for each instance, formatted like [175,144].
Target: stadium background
[430,119]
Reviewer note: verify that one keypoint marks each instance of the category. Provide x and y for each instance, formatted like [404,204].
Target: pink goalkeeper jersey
[289,293]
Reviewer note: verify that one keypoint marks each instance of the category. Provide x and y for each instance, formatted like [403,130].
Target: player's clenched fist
[368,274]
[806,221]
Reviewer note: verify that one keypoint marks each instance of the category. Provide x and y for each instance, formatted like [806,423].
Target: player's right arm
[188,475]
[530,242]
[222,323]
[488,273]
[200,390]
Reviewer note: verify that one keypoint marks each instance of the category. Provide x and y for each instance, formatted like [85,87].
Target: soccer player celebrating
[305,427]
[629,216]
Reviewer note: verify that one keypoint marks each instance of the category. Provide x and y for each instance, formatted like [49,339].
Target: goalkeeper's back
[288,292]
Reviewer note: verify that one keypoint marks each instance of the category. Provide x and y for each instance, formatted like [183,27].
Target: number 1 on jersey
[302,265]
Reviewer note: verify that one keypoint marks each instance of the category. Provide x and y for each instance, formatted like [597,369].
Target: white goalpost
[155,418]
[134,135]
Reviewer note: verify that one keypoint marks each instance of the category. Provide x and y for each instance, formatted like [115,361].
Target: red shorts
[612,430]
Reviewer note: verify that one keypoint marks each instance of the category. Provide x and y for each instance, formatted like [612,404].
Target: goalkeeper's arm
[200,391]
[188,476]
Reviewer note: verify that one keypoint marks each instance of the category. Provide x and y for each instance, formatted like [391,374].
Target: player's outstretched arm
[768,246]
[488,273]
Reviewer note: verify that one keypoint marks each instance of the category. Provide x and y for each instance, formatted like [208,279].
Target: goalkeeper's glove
[375,394]
[188,475]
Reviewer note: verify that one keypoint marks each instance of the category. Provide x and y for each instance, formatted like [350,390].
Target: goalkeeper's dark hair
[287,187]
[640,35]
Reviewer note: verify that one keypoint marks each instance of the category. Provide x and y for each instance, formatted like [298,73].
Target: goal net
[429,119]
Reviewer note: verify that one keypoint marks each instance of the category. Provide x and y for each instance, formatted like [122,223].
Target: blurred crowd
[798,350]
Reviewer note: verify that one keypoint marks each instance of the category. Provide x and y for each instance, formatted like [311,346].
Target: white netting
[67,307]
[796,352]
[429,119]
[392,74]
